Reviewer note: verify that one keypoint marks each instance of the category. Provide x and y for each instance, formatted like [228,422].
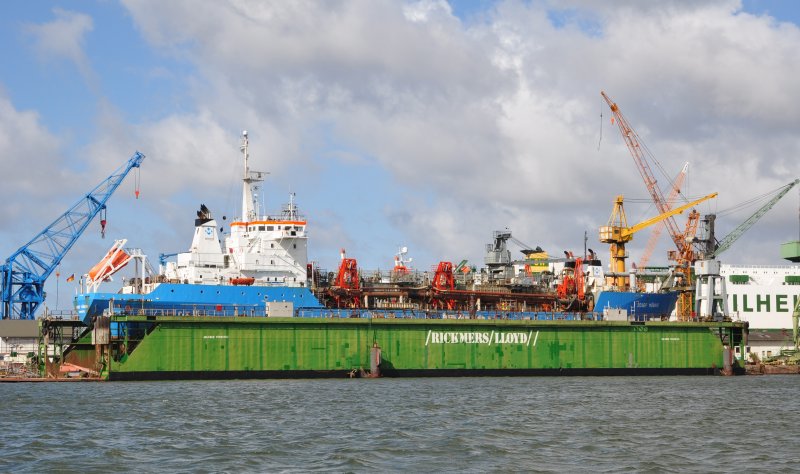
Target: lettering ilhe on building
[763,303]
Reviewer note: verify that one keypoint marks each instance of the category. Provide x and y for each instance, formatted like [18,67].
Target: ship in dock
[251,305]
[264,260]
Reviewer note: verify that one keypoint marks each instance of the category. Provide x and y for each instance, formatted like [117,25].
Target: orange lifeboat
[114,260]
[244,281]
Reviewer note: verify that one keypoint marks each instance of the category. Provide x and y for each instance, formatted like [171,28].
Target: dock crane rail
[24,273]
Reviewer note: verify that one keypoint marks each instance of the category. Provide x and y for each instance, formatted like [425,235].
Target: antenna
[585,240]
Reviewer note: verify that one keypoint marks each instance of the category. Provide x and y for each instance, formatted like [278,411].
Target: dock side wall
[293,347]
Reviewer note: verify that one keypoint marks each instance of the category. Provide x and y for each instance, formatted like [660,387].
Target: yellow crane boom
[617,233]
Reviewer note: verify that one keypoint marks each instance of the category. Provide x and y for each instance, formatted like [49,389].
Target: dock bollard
[727,361]
[374,360]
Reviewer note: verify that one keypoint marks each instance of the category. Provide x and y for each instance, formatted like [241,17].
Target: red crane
[443,281]
[656,233]
[573,282]
[638,152]
[347,287]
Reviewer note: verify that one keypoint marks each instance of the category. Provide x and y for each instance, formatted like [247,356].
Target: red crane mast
[642,164]
[656,233]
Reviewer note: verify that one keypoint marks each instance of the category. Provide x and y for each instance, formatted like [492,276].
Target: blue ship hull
[228,300]
[640,306]
[184,299]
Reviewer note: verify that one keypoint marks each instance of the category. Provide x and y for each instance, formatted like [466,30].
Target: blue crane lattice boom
[25,272]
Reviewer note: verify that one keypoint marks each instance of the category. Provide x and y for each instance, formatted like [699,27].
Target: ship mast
[290,212]
[250,208]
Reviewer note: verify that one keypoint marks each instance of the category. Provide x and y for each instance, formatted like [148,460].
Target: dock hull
[173,348]
[313,374]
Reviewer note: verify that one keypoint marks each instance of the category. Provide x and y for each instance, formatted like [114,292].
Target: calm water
[698,424]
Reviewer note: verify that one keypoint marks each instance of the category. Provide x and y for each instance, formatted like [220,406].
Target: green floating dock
[142,348]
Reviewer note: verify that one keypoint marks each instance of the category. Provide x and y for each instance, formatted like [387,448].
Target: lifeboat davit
[244,281]
[115,259]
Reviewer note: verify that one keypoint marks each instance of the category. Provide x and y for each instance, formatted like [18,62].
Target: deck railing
[329,313]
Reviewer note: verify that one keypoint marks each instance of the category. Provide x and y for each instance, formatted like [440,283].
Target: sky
[424,124]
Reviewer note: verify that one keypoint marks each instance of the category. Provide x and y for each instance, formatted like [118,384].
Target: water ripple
[575,424]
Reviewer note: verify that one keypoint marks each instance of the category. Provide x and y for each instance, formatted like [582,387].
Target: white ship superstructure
[261,249]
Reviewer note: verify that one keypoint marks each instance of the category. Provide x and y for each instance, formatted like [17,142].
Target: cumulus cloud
[64,38]
[497,120]
[25,141]
[37,184]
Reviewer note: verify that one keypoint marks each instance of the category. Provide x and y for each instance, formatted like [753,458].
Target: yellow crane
[618,233]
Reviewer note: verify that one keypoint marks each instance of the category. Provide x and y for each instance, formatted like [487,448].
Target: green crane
[712,248]
[714,301]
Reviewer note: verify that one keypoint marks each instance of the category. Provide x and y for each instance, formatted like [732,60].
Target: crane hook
[137,182]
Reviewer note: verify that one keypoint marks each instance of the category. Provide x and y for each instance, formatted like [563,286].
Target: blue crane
[25,272]
[162,257]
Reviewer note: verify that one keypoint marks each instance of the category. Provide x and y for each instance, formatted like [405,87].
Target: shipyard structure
[246,302]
